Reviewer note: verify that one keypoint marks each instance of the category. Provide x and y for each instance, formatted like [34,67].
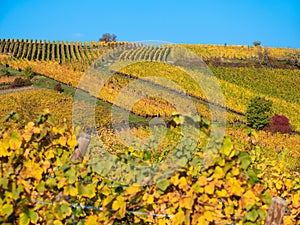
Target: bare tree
[108,37]
[256,43]
[113,38]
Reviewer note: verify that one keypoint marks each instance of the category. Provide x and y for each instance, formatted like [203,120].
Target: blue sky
[274,23]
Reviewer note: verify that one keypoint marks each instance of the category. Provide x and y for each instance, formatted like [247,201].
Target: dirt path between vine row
[15,90]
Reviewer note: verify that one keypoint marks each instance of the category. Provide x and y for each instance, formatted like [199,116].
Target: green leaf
[252,177]
[16,191]
[261,213]
[33,216]
[40,187]
[182,161]
[4,182]
[7,209]
[266,198]
[252,215]
[51,182]
[24,219]
[12,115]
[162,184]
[87,190]
[227,147]
[147,156]
[71,175]
[245,160]
[61,211]
[15,140]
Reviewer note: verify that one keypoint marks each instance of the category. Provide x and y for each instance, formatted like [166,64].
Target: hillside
[220,180]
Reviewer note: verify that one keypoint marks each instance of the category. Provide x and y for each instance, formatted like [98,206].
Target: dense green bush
[259,113]
[29,73]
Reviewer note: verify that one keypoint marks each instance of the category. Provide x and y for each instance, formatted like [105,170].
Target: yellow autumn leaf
[107,200]
[163,221]
[150,199]
[49,154]
[132,190]
[222,193]
[91,220]
[36,130]
[210,188]
[182,182]
[174,179]
[62,141]
[56,130]
[70,190]
[186,203]
[288,220]
[120,206]
[201,220]
[232,153]
[72,142]
[288,183]
[4,150]
[202,181]
[122,210]
[248,198]
[178,219]
[219,173]
[57,222]
[234,186]
[32,170]
[209,216]
[229,210]
[235,171]
[28,131]
[296,200]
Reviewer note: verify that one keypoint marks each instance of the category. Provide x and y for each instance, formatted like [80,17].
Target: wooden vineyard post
[276,212]
[80,150]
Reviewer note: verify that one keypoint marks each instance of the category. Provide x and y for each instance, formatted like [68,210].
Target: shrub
[29,73]
[108,37]
[259,112]
[19,82]
[4,72]
[279,123]
[256,43]
[58,88]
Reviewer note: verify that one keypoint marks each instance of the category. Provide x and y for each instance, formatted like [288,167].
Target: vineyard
[233,183]
[87,52]
[237,96]
[240,52]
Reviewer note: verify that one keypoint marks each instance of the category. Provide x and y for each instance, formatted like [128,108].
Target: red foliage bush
[279,123]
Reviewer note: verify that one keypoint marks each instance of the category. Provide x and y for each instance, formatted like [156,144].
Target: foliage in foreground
[35,168]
